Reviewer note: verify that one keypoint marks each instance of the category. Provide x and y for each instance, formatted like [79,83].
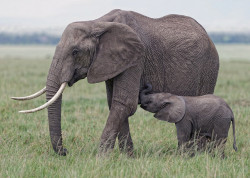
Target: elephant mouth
[143,106]
[75,78]
[71,83]
[79,73]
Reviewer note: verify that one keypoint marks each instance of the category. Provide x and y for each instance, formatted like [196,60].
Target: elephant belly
[175,60]
[171,78]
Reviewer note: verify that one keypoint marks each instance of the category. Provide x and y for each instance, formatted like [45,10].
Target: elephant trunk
[54,111]
[143,98]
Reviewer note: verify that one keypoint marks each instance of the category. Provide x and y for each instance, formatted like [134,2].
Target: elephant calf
[206,117]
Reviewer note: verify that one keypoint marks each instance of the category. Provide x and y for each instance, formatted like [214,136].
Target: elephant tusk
[51,101]
[35,95]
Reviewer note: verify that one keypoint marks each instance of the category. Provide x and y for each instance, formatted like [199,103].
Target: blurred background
[32,28]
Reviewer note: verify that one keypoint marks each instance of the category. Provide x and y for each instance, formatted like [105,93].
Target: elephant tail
[234,144]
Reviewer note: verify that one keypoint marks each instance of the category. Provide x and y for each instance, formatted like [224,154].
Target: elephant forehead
[82,26]
[75,31]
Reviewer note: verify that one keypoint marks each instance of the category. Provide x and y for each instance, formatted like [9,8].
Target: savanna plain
[25,149]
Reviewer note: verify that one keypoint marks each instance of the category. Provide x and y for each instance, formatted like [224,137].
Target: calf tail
[234,144]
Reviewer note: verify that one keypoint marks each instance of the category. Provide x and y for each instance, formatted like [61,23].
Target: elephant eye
[164,105]
[75,52]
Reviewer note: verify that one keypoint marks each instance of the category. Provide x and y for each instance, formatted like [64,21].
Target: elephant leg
[124,137]
[109,90]
[203,142]
[118,114]
[184,130]
[221,146]
[183,140]
[124,102]
[220,134]
[220,143]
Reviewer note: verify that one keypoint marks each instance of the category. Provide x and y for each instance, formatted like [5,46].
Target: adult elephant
[127,50]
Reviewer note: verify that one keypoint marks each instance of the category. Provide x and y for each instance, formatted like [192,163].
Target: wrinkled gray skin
[205,116]
[126,50]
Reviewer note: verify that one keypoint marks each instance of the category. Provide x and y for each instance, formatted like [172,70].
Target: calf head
[166,106]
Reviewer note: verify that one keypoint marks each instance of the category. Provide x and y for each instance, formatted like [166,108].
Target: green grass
[27,51]
[25,149]
[234,52]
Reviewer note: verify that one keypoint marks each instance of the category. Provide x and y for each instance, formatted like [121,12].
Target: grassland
[25,149]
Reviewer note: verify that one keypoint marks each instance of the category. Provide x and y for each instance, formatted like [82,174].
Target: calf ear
[174,110]
[119,48]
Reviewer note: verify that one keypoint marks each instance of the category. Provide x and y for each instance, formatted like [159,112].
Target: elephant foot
[126,144]
[130,154]
[106,146]
[223,156]
[104,154]
[62,152]
[124,139]
[127,148]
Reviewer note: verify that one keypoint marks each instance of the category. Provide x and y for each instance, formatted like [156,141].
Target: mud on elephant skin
[126,49]
[206,117]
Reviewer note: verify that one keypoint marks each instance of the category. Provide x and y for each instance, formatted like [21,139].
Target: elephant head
[167,107]
[96,50]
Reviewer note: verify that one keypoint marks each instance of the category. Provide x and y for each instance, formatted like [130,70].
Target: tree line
[230,37]
[46,39]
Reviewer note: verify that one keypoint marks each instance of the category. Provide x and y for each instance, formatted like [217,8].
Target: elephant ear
[119,48]
[173,111]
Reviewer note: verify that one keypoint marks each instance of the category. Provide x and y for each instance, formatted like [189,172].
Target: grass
[27,51]
[25,149]
[234,51]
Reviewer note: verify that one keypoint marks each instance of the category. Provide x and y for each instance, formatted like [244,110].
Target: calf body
[208,116]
